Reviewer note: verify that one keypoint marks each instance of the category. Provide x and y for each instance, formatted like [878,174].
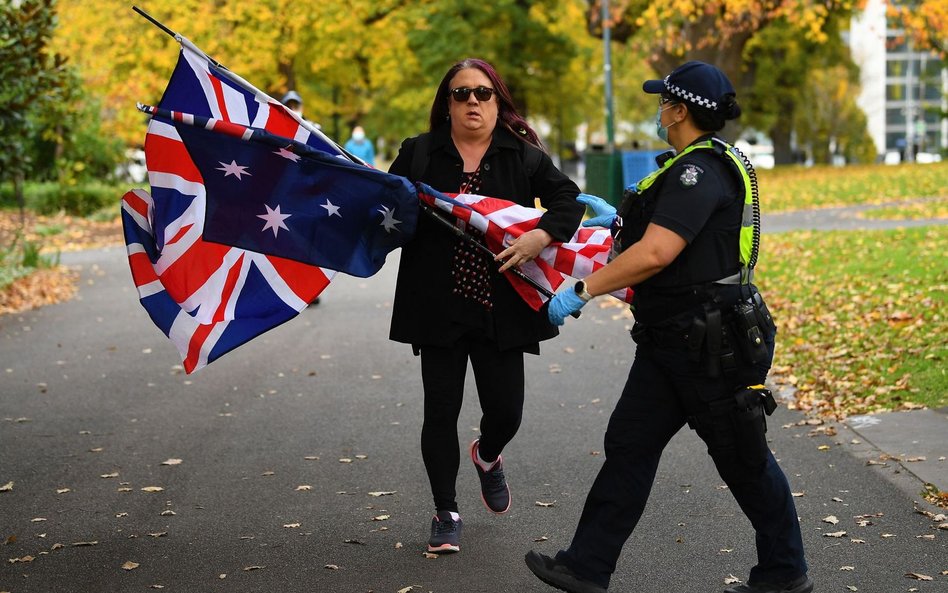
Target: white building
[904,92]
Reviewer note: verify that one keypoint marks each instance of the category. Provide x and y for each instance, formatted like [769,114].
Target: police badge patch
[691,175]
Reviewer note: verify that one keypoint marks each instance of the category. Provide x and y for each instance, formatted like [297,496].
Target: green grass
[911,210]
[21,259]
[798,188]
[861,317]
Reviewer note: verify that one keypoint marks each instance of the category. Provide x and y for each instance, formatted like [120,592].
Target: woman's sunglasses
[481,93]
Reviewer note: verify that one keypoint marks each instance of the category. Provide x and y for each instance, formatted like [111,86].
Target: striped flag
[502,220]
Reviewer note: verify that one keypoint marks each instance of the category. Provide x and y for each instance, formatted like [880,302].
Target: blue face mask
[662,131]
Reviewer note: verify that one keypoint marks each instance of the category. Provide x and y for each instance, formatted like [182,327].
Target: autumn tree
[670,32]
[924,21]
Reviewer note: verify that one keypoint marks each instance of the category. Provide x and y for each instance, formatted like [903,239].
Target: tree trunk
[780,137]
[18,193]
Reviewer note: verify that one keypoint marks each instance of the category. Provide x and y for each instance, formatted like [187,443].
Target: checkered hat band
[689,96]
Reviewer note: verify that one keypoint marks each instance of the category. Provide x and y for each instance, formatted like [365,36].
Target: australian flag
[237,236]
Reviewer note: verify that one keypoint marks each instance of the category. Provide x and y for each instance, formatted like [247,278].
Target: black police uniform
[688,368]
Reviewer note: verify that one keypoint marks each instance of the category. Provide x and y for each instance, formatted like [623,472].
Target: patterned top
[471,266]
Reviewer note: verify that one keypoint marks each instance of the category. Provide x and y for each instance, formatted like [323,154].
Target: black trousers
[500,385]
[663,389]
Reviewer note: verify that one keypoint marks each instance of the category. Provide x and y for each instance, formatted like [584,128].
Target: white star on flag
[331,208]
[388,219]
[233,169]
[274,219]
[287,154]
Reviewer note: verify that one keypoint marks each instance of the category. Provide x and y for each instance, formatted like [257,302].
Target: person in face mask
[360,146]
[686,240]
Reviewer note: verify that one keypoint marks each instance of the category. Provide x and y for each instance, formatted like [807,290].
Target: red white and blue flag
[210,297]
[501,221]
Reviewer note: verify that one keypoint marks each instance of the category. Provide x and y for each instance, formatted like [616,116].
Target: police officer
[686,239]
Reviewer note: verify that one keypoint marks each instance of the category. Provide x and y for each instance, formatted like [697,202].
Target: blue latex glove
[603,210]
[562,304]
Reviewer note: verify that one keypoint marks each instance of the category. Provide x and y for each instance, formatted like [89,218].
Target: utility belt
[715,335]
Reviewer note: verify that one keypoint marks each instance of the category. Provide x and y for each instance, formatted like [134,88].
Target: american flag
[209,298]
[502,220]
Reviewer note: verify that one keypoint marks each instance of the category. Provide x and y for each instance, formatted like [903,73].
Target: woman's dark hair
[711,120]
[506,112]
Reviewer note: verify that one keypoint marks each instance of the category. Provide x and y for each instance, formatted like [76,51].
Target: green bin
[604,176]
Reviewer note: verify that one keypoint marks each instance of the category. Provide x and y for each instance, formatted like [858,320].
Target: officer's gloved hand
[563,303]
[603,210]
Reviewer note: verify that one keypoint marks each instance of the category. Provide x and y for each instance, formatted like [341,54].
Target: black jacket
[425,311]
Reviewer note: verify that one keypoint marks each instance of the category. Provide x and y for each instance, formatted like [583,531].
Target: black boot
[801,584]
[557,574]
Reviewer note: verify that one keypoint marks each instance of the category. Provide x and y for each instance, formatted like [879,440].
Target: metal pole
[607,72]
[909,107]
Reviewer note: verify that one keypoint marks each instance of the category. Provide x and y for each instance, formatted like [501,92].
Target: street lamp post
[607,71]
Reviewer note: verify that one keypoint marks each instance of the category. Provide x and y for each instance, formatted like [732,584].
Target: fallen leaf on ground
[130,565]
[381,518]
[383,493]
[24,559]
[63,490]
[540,503]
[832,520]
[111,475]
[291,525]
[78,544]
[158,534]
[430,556]
[254,567]
[731,580]
[345,460]
[542,538]
[847,568]
[331,567]
[303,488]
[918,577]
[171,462]
[6,487]
[152,489]
[835,534]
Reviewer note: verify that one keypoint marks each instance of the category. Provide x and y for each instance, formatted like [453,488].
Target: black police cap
[698,83]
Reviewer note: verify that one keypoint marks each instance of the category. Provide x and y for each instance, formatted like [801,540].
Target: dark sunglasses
[481,93]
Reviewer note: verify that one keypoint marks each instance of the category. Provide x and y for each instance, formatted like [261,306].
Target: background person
[452,303]
[360,146]
[704,345]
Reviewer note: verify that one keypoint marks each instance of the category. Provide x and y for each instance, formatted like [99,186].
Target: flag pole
[484,248]
[238,80]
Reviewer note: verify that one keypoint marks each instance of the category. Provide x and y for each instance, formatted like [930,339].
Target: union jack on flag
[501,220]
[209,298]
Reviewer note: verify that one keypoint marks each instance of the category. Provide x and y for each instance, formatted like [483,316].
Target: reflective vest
[635,212]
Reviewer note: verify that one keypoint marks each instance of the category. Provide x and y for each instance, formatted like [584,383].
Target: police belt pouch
[751,323]
[750,424]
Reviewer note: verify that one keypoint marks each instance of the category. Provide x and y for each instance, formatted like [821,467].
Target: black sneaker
[445,534]
[556,574]
[801,584]
[494,490]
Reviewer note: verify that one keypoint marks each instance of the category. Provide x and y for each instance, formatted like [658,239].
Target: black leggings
[499,379]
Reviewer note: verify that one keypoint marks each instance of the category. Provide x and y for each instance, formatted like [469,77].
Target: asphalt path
[93,399]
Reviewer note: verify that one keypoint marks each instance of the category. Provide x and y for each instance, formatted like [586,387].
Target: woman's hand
[524,248]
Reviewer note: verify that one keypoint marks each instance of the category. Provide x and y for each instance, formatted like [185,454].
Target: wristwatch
[580,289]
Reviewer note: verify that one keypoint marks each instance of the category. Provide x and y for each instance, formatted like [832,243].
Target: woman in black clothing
[452,302]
